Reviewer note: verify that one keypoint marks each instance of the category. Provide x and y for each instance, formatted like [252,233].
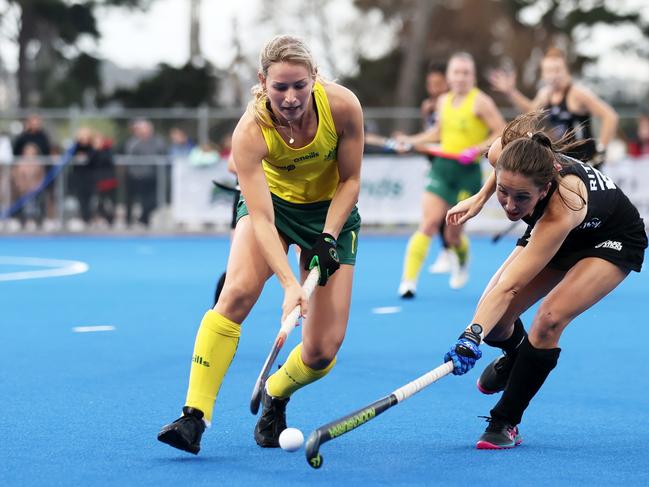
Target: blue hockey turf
[84,408]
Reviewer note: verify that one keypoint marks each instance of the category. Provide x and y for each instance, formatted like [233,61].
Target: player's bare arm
[541,99]
[505,82]
[430,136]
[486,109]
[348,117]
[594,105]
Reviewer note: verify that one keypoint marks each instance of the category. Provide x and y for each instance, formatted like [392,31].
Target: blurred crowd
[94,182]
[107,183]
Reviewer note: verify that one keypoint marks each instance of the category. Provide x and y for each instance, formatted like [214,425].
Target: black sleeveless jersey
[561,121]
[610,214]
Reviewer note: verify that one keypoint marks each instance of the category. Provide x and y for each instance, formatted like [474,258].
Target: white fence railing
[184,197]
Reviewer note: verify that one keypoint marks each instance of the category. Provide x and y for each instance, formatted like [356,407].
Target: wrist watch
[476,329]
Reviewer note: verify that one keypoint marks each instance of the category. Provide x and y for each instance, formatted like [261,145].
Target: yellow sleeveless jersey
[460,127]
[305,174]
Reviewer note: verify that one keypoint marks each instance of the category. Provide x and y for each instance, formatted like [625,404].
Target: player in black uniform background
[570,107]
[584,236]
[436,86]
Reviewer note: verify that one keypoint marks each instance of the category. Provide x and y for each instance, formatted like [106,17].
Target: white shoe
[442,264]
[76,225]
[407,289]
[459,273]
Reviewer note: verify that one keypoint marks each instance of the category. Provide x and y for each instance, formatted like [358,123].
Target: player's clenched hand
[469,156]
[294,296]
[324,256]
[464,353]
[464,210]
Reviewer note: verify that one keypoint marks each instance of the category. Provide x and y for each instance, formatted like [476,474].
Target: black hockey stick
[358,418]
[289,323]
[510,228]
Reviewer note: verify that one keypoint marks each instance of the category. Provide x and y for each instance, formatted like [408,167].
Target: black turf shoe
[184,433]
[499,435]
[272,420]
[495,376]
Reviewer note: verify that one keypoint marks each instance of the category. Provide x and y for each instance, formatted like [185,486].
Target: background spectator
[93,178]
[179,143]
[436,86]
[6,157]
[27,174]
[33,133]
[204,155]
[141,182]
[81,177]
[104,178]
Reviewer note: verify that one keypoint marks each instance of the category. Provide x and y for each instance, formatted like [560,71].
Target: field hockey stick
[358,418]
[434,150]
[394,146]
[288,324]
[226,186]
[497,236]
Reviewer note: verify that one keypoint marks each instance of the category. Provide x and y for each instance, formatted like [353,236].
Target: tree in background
[189,86]
[507,33]
[381,51]
[53,69]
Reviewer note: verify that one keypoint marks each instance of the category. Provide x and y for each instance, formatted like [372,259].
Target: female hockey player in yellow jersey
[297,151]
[467,121]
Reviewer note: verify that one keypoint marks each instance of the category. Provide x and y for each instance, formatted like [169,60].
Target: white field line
[91,329]
[386,310]
[53,268]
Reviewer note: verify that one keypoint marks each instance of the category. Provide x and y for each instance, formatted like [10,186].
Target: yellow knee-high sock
[294,375]
[214,349]
[462,250]
[416,253]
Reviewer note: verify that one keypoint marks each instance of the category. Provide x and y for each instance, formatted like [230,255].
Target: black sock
[442,228]
[219,288]
[511,344]
[532,367]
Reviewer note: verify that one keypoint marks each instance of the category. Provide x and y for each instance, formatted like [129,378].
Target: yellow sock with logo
[416,253]
[215,346]
[294,375]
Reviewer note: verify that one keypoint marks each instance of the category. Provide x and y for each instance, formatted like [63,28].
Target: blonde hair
[280,49]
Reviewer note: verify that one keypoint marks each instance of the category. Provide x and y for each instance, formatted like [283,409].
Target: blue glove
[465,352]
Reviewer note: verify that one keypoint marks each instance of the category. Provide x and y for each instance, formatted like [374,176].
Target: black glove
[324,256]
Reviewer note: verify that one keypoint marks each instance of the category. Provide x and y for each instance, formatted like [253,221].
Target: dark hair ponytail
[542,139]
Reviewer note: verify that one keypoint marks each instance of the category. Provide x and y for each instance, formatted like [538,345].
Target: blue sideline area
[85,408]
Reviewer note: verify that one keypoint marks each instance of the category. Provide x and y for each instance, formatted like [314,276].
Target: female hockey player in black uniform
[584,236]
